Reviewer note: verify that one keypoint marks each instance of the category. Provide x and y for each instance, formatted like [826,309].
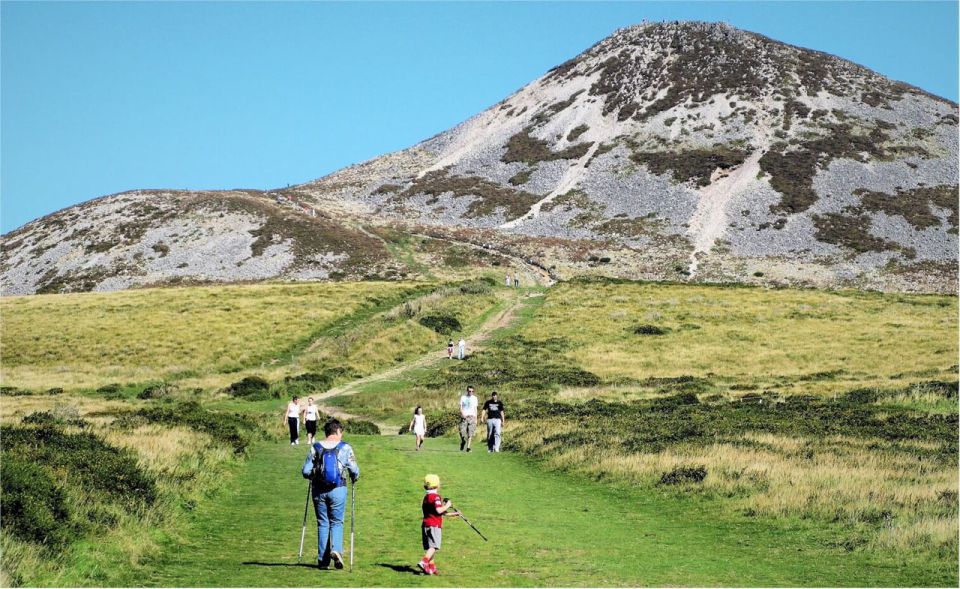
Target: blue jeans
[329,507]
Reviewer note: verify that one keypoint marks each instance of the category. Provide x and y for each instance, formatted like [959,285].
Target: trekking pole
[303,532]
[353,517]
[466,521]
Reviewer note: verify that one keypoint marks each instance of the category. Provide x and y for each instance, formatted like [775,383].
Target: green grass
[544,530]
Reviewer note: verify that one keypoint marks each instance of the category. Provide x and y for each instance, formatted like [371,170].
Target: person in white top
[462,348]
[292,415]
[310,416]
[468,419]
[418,425]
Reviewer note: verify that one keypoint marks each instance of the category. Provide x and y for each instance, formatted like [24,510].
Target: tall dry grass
[815,342]
[74,341]
[888,496]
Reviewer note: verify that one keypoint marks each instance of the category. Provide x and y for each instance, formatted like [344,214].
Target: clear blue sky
[99,98]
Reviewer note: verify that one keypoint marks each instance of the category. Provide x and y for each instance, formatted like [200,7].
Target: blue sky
[99,98]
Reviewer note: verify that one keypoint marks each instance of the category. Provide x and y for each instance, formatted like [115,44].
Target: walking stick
[353,517]
[466,521]
[303,532]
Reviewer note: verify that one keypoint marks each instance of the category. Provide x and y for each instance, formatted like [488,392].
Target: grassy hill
[693,435]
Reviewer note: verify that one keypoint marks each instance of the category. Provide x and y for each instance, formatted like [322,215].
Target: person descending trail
[516,280]
[325,466]
[292,420]
[418,425]
[507,281]
[461,349]
[310,416]
[468,419]
[496,417]
[450,350]
[431,530]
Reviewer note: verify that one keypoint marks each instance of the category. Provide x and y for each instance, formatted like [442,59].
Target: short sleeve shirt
[431,503]
[468,405]
[493,408]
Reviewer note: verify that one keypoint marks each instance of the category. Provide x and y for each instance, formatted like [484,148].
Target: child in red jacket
[434,508]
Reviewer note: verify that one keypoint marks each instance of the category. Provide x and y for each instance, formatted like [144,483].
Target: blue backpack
[326,466]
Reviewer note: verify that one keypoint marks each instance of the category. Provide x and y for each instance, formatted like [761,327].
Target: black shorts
[312,427]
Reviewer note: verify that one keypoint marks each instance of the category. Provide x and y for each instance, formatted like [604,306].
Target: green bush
[251,388]
[34,507]
[684,475]
[234,429]
[360,427]
[649,330]
[85,458]
[442,324]
[52,419]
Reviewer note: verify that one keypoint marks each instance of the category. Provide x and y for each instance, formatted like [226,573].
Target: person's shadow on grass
[400,568]
[279,564]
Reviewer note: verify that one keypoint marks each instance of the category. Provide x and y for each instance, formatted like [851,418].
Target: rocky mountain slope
[680,151]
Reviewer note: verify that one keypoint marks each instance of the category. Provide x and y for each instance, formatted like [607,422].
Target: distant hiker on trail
[494,414]
[450,350]
[508,279]
[431,532]
[292,415]
[327,465]
[461,349]
[418,425]
[310,416]
[516,280]
[468,419]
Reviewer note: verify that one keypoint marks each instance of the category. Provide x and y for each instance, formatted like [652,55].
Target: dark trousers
[294,424]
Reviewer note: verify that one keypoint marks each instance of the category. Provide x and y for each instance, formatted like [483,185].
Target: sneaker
[468,449]
[433,569]
[424,566]
[337,560]
[291,443]
[297,443]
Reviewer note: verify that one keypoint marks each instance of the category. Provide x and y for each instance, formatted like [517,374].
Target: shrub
[53,419]
[34,507]
[442,324]
[86,458]
[649,330]
[360,427]
[235,429]
[684,475]
[157,391]
[440,423]
[251,387]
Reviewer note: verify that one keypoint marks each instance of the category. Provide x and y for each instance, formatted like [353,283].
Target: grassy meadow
[88,340]
[808,436]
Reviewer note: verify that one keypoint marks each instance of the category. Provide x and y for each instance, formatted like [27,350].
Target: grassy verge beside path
[544,529]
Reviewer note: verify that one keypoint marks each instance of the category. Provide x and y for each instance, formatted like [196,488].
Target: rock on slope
[667,151]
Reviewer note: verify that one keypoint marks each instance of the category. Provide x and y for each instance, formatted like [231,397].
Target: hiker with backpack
[327,466]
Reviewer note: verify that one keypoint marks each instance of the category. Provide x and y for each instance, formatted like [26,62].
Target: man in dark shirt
[494,413]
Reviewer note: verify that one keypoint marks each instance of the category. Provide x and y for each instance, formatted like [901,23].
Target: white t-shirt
[468,405]
[293,409]
[311,413]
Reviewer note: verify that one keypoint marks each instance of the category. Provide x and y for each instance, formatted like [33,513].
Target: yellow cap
[431,481]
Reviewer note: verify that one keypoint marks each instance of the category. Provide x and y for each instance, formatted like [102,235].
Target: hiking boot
[337,560]
[424,566]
